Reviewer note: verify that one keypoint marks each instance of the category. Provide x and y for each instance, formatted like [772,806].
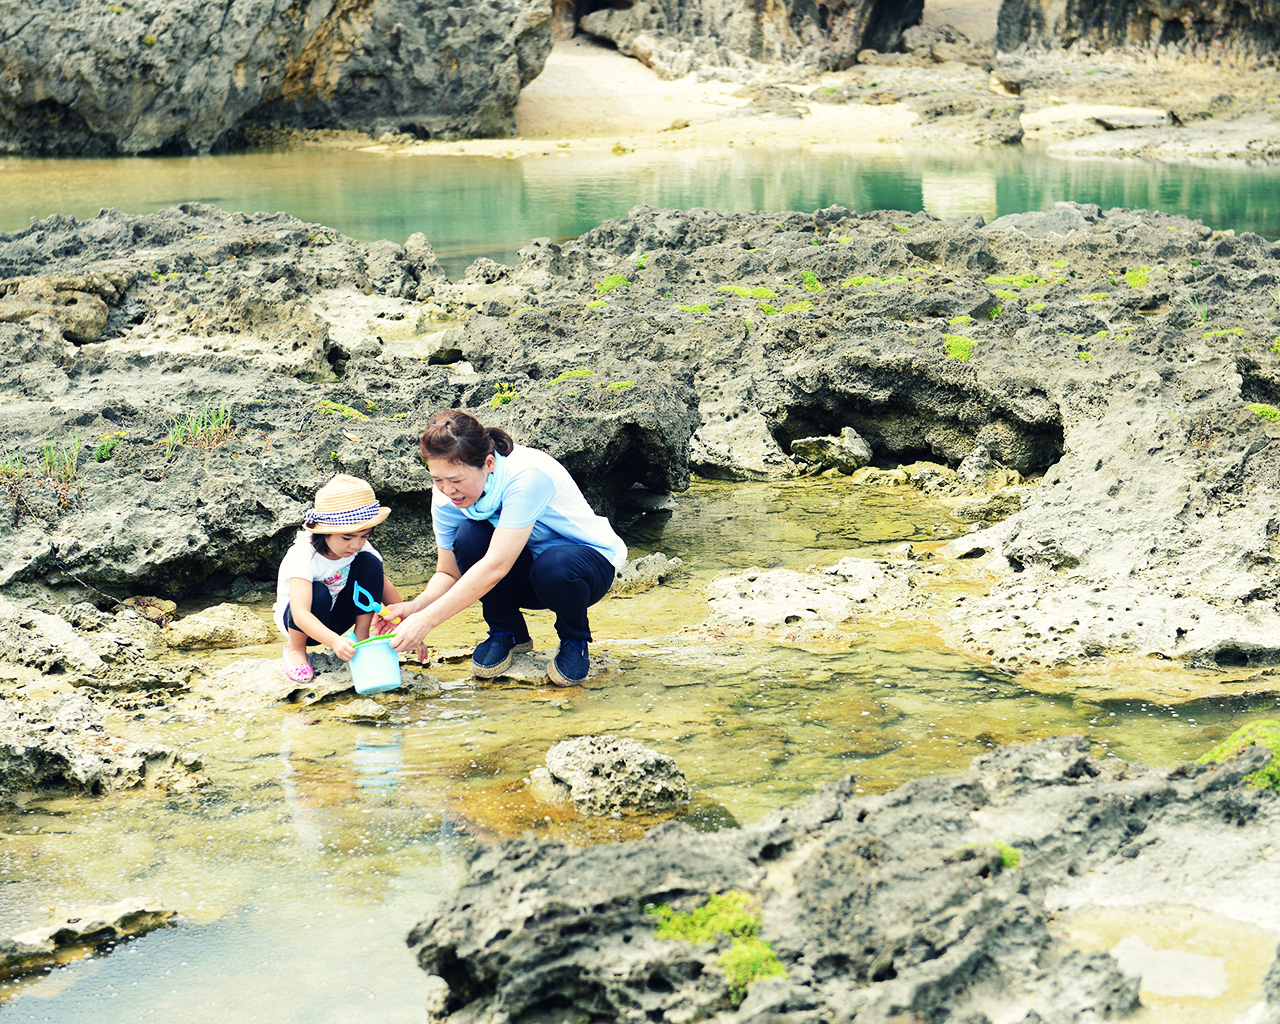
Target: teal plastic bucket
[375,667]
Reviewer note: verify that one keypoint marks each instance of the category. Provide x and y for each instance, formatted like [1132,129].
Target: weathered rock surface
[86,647]
[1127,356]
[84,78]
[881,907]
[676,38]
[603,775]
[85,928]
[267,317]
[1253,25]
[223,625]
[60,746]
[810,605]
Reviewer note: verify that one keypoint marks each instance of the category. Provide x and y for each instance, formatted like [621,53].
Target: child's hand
[344,648]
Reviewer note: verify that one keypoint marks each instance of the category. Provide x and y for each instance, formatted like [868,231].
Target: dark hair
[321,544]
[457,436]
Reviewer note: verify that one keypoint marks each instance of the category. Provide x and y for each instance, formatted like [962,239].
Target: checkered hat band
[350,517]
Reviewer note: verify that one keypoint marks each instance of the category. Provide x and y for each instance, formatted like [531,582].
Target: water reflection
[476,206]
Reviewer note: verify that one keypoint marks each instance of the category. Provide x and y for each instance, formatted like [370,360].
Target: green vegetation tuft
[621,385]
[747,293]
[700,307]
[1096,296]
[597,304]
[1137,277]
[748,959]
[107,444]
[1017,280]
[502,394]
[60,462]
[611,282]
[577,371]
[1035,307]
[1084,357]
[1264,732]
[962,321]
[329,408]
[809,281]
[959,347]
[1263,412]
[1004,293]
[1223,333]
[210,426]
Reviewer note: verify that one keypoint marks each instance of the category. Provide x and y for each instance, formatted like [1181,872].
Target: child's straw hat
[346,504]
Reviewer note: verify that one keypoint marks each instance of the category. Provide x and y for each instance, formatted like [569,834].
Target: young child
[315,589]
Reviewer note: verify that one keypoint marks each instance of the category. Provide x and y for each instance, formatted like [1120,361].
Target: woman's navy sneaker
[571,665]
[493,657]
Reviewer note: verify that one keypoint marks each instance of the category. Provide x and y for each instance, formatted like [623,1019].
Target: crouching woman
[514,532]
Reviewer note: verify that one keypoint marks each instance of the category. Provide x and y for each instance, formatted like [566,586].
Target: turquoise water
[481,206]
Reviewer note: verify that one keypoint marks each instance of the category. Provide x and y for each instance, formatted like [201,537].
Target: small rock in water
[606,775]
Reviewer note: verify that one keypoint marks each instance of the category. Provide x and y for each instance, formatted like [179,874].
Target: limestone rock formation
[84,78]
[674,37]
[1239,24]
[918,904]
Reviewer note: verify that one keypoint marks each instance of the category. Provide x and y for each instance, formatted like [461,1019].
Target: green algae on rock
[1264,732]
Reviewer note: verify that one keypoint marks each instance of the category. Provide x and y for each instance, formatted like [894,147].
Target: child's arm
[389,593]
[300,608]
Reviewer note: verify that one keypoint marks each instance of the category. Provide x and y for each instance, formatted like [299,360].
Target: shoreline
[1167,107]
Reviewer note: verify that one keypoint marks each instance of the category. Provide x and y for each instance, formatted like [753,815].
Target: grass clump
[611,282]
[959,347]
[59,461]
[810,283]
[1264,732]
[1137,277]
[209,427]
[1263,411]
[748,959]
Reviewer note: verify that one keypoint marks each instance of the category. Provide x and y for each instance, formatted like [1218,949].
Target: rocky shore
[1094,393]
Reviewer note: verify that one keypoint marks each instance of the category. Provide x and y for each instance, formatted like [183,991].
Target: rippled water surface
[322,842]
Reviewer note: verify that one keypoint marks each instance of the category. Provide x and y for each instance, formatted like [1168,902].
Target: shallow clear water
[478,206]
[322,842]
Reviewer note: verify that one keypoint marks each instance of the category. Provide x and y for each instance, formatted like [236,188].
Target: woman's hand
[410,634]
[344,648]
[386,620]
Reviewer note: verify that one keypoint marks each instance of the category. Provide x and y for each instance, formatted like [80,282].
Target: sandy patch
[590,97]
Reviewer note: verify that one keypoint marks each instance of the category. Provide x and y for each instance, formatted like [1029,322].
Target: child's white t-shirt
[304,562]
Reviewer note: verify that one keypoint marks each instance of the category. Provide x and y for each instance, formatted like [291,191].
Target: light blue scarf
[490,502]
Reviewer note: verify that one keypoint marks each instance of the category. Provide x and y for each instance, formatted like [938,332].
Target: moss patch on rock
[1264,732]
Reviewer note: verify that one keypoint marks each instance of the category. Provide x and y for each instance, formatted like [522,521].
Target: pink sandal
[303,673]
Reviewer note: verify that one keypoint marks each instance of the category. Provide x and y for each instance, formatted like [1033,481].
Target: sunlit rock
[223,625]
[603,775]
[61,746]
